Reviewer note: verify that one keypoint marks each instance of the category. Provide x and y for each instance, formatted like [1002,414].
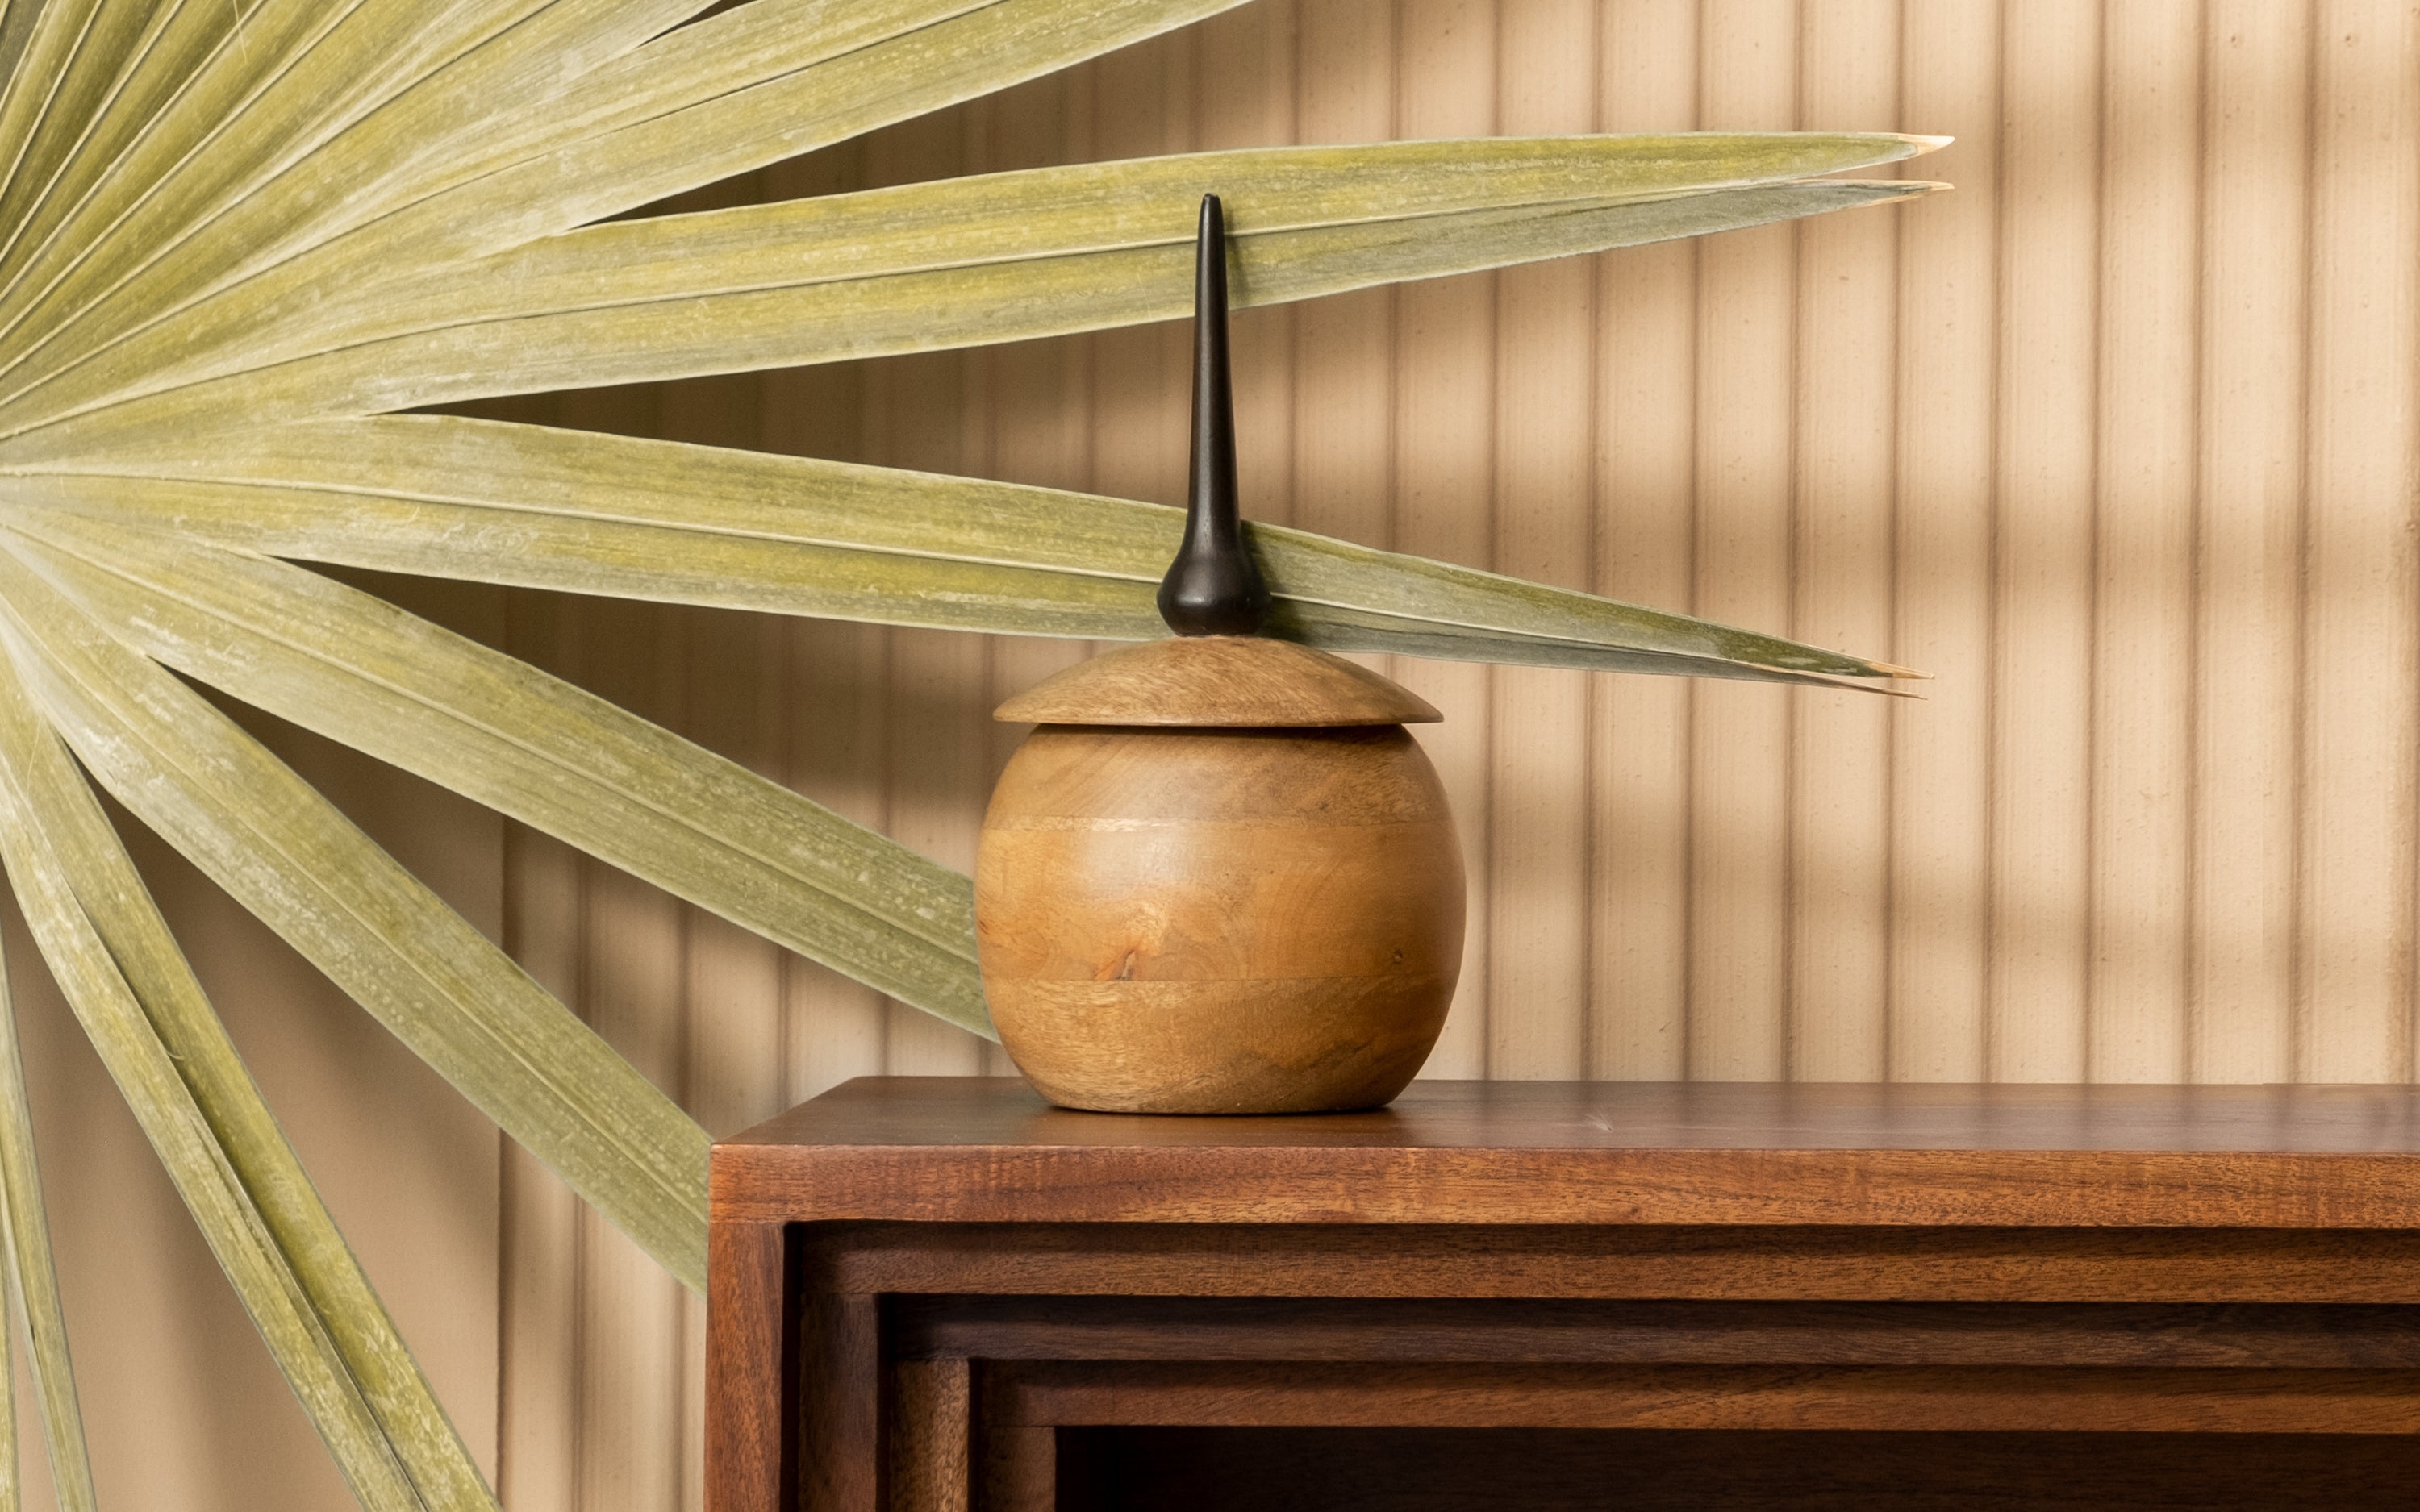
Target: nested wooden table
[940,1294]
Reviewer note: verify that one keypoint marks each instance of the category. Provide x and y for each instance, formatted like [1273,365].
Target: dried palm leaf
[236,238]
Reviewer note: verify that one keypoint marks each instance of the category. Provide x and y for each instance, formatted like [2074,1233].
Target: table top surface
[990,1150]
[1004,1111]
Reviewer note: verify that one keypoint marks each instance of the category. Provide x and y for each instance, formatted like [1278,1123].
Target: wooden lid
[1218,680]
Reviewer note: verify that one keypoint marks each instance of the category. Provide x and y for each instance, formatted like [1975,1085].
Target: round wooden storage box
[1219,877]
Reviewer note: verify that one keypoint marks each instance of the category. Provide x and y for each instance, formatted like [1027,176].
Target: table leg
[748,1405]
[930,1435]
[840,1373]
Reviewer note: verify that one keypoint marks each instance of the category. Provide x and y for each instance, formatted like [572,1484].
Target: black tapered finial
[1213,588]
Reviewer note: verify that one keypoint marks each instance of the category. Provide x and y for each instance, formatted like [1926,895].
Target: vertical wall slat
[632,1316]
[1545,409]
[1247,97]
[540,1225]
[1846,384]
[918,413]
[2143,606]
[2247,555]
[835,718]
[940,753]
[2358,695]
[1442,463]
[2042,667]
[733,985]
[1739,969]
[539,1363]
[1646,499]
[1142,106]
[1345,348]
[827,689]
[1948,376]
[1035,398]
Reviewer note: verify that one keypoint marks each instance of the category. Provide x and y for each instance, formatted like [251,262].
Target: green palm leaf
[283,851]
[285,160]
[359,671]
[589,513]
[725,103]
[964,263]
[185,34]
[50,39]
[166,1048]
[94,45]
[1034,216]
[33,1284]
[237,235]
[10,1474]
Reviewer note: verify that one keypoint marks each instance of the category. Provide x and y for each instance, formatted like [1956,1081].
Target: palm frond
[10,1476]
[1036,216]
[236,235]
[687,128]
[233,72]
[33,1282]
[102,41]
[967,262]
[765,83]
[163,1046]
[443,988]
[356,668]
[582,512]
[183,37]
[17,19]
[163,224]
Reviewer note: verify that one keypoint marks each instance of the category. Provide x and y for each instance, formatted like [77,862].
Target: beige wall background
[2118,440]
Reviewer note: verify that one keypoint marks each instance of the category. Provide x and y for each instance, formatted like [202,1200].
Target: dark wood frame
[917,1284]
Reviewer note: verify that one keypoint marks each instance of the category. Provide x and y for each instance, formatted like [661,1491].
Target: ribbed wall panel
[2118,440]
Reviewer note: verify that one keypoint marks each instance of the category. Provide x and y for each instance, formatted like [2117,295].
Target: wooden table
[940,1294]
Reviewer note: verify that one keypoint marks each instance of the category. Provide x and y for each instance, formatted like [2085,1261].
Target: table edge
[1508,1186]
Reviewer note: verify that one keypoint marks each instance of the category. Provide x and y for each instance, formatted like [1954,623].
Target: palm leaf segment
[236,238]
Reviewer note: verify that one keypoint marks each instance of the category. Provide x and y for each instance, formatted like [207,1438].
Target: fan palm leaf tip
[237,239]
[1212,587]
